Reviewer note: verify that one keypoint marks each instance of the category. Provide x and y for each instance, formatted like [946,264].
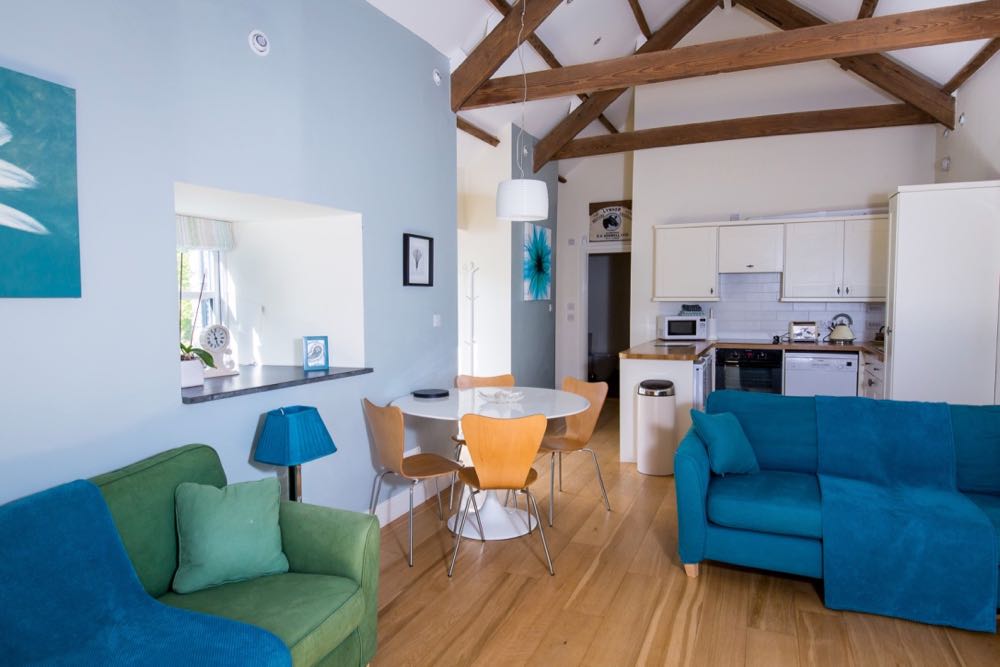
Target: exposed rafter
[972,66]
[640,18]
[867,9]
[889,75]
[958,23]
[550,58]
[476,131]
[496,47]
[805,122]
[679,25]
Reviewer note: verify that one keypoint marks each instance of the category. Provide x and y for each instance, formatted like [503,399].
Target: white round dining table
[499,522]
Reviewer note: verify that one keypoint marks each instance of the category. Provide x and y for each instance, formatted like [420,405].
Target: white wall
[596,179]
[297,278]
[974,148]
[484,241]
[758,177]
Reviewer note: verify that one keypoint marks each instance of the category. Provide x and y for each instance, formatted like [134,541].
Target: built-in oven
[748,370]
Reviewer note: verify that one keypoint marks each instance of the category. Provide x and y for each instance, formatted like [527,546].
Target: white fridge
[943,302]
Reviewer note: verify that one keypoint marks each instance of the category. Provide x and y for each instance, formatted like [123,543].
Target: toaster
[803,332]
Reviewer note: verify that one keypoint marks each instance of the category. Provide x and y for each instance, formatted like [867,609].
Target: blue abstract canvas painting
[39,220]
[537,263]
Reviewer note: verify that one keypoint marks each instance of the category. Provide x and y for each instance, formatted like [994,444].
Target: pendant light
[522,199]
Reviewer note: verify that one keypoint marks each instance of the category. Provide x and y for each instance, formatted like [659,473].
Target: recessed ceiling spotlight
[436,75]
[945,164]
[259,43]
[597,41]
[961,119]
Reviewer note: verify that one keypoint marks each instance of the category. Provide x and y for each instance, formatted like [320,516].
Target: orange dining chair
[502,451]
[579,429]
[386,426]
[474,382]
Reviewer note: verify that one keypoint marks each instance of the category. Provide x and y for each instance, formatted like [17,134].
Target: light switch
[436,320]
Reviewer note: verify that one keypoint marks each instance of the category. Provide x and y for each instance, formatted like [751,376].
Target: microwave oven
[681,327]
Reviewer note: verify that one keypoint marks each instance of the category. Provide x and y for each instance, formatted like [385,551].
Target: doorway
[609,288]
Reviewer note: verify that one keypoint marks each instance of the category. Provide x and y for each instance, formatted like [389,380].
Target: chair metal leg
[437,492]
[412,484]
[552,487]
[560,472]
[600,478]
[458,535]
[541,533]
[482,535]
[376,491]
[454,479]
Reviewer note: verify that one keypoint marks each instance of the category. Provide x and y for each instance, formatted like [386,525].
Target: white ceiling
[454,27]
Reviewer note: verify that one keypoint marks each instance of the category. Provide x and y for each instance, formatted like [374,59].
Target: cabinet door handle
[711,290]
[838,290]
[749,266]
[847,290]
[871,383]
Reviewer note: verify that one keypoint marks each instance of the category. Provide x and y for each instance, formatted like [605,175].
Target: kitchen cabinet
[873,377]
[751,249]
[686,263]
[836,260]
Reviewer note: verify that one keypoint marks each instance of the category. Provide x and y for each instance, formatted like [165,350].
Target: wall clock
[216,339]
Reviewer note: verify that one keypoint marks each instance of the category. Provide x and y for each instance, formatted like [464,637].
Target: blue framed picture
[39,221]
[537,266]
[315,353]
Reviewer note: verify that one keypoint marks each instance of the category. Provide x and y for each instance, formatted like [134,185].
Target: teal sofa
[324,609]
[772,520]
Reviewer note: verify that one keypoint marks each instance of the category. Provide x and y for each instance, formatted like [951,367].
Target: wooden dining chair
[502,451]
[474,382]
[386,426]
[579,429]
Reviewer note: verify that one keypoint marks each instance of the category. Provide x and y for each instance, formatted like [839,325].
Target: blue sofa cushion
[781,429]
[977,447]
[780,502]
[729,451]
[991,506]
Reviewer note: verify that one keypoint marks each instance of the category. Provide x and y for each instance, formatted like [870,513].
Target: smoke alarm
[259,43]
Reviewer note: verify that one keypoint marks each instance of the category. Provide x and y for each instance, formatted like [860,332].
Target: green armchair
[324,609]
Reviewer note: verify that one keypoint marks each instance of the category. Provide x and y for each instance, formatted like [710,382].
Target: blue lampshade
[293,435]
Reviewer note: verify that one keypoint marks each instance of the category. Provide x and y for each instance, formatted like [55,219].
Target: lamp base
[295,483]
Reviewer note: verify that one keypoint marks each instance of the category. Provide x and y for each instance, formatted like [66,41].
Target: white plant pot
[192,373]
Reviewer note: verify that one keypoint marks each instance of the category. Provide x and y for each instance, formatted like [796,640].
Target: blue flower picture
[537,263]
[39,221]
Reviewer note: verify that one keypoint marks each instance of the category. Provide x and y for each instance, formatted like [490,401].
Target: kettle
[840,329]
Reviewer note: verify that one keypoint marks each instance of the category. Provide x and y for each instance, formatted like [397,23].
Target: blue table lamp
[291,436]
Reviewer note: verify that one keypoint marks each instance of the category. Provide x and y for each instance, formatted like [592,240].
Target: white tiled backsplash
[749,309]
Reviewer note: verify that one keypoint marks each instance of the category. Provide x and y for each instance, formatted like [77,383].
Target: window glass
[200,296]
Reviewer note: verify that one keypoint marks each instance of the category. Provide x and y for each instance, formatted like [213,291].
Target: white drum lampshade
[522,200]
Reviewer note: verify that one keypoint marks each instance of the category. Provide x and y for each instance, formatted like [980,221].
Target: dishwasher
[821,374]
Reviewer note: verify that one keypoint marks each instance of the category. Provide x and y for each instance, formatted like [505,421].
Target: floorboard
[620,596]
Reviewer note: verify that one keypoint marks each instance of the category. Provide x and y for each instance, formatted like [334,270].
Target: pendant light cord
[524,79]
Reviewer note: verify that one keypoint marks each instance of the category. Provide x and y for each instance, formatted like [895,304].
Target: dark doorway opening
[609,288]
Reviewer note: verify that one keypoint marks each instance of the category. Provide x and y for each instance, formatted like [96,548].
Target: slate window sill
[255,379]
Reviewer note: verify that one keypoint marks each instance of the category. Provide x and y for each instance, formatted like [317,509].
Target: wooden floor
[619,595]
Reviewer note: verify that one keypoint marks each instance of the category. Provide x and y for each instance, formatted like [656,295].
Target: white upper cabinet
[837,260]
[814,260]
[686,263]
[751,249]
[866,251]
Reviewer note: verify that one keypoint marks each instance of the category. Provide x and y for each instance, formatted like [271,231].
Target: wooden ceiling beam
[640,18]
[673,31]
[496,47]
[476,131]
[889,75]
[943,25]
[972,66]
[550,58]
[833,120]
[867,9]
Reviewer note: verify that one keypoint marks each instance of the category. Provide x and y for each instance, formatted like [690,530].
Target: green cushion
[141,500]
[311,613]
[772,501]
[228,534]
[729,451]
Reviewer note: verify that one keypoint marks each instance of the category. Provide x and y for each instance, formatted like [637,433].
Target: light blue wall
[343,113]
[533,323]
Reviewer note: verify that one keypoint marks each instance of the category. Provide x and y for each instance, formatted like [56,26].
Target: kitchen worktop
[693,350]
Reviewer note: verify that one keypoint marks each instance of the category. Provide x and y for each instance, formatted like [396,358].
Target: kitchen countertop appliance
[800,331]
[748,370]
[682,327]
[840,329]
